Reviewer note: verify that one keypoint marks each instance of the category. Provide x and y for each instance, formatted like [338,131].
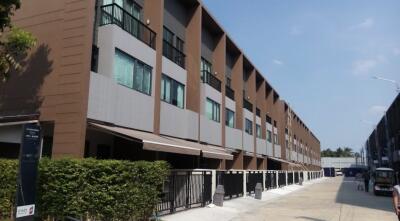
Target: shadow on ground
[348,194]
[309,218]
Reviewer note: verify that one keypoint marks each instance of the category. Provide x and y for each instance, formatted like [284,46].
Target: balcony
[114,14]
[258,112]
[173,54]
[247,105]
[211,80]
[229,92]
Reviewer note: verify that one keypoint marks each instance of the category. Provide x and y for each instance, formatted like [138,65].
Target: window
[258,131]
[276,139]
[249,126]
[172,91]
[228,81]
[269,136]
[132,73]
[205,66]
[229,118]
[212,110]
[168,36]
[179,44]
[95,59]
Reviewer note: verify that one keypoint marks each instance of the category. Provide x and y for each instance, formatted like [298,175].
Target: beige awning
[208,151]
[151,141]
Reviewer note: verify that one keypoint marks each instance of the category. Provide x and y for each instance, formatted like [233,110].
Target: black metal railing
[290,178]
[211,80]
[296,177]
[270,180]
[247,105]
[281,178]
[173,54]
[232,182]
[115,14]
[184,190]
[230,92]
[252,178]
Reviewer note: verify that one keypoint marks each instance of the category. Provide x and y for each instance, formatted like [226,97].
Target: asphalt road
[336,199]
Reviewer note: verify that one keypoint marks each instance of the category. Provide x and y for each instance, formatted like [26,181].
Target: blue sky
[321,56]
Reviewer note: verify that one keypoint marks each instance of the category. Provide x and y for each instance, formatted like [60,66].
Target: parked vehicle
[383,181]
[339,173]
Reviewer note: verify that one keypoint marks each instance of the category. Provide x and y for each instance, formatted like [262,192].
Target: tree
[14,42]
[339,152]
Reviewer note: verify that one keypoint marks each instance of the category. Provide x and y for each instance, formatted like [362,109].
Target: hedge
[8,183]
[95,189]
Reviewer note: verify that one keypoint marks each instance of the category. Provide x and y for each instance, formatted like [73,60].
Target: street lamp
[389,80]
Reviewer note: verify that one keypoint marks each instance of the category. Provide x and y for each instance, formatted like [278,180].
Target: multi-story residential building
[383,144]
[148,80]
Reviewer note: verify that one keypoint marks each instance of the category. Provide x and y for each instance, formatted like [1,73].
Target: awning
[151,141]
[155,142]
[208,151]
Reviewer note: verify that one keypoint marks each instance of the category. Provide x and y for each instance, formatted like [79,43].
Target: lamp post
[397,85]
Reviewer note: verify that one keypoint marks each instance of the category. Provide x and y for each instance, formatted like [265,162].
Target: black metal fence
[232,182]
[290,178]
[115,14]
[281,178]
[185,189]
[211,80]
[270,180]
[173,53]
[252,178]
[230,92]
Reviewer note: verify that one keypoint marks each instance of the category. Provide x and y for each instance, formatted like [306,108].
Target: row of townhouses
[383,144]
[148,80]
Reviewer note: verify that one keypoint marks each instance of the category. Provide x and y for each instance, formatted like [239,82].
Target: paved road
[333,200]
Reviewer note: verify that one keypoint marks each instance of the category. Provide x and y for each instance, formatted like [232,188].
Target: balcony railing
[247,105]
[258,112]
[230,92]
[114,14]
[211,80]
[173,54]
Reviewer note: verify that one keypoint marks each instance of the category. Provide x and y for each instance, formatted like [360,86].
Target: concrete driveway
[332,199]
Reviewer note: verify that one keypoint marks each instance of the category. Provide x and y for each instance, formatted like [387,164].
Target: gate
[281,178]
[232,182]
[290,178]
[270,180]
[252,178]
[185,189]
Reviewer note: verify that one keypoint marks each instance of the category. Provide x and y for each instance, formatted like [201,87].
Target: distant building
[341,162]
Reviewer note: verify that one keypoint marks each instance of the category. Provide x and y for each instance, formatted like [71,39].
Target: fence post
[265,186]
[286,178]
[213,182]
[277,179]
[244,183]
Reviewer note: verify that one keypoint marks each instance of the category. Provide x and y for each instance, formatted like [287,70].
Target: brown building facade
[148,80]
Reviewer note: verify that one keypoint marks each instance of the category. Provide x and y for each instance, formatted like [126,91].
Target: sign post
[28,163]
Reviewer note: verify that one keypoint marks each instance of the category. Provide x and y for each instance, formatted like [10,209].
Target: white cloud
[296,30]
[278,62]
[367,23]
[377,110]
[396,51]
[364,66]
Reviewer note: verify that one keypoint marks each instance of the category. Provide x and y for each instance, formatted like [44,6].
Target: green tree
[14,42]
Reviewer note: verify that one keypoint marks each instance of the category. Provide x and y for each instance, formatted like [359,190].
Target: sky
[321,57]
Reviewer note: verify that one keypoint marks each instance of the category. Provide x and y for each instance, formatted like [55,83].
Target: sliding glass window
[258,130]
[132,73]
[269,136]
[172,91]
[249,126]
[230,118]
[212,110]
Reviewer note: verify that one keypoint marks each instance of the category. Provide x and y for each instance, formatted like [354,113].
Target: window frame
[248,130]
[269,136]
[227,112]
[258,131]
[215,115]
[136,62]
[174,84]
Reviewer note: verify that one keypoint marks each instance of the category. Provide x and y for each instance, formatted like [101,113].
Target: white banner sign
[27,210]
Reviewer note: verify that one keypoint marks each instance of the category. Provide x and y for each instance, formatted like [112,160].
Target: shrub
[98,189]
[8,187]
